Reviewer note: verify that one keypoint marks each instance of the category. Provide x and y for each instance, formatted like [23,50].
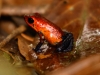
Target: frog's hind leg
[67,43]
[37,49]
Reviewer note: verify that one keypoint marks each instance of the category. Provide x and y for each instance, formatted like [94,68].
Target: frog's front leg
[37,49]
[67,43]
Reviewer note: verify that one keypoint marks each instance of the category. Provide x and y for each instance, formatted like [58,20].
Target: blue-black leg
[37,49]
[67,43]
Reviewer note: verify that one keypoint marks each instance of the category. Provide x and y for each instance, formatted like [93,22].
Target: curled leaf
[25,49]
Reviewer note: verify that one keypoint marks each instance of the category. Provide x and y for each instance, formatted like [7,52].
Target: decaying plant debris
[17,40]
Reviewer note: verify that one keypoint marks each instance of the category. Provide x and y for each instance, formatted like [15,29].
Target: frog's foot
[67,43]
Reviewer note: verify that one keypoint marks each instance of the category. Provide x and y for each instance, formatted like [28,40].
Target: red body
[50,31]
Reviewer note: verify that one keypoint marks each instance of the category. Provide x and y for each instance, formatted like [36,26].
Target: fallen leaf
[25,48]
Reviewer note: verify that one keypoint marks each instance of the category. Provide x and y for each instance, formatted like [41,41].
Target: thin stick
[12,35]
[19,11]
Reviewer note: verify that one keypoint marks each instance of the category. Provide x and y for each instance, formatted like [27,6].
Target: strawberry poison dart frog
[50,32]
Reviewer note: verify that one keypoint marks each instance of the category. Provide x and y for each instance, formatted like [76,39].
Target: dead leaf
[42,56]
[27,37]
[25,49]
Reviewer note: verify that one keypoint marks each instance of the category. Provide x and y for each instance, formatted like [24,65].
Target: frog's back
[52,33]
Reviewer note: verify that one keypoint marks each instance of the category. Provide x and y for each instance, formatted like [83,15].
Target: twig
[9,37]
[12,35]
[0,6]
[19,11]
[8,53]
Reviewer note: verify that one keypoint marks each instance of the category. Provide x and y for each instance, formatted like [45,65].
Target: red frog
[50,32]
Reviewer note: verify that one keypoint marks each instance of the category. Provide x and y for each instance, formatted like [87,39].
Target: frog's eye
[30,20]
